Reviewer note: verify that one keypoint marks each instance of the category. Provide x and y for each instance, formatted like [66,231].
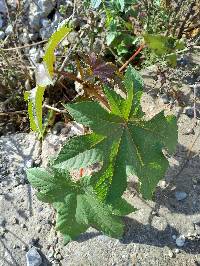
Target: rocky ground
[40,20]
[165,231]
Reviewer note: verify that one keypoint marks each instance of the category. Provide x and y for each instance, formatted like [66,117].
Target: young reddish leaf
[101,69]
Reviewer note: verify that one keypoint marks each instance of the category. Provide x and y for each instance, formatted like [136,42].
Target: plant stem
[90,89]
[132,57]
[54,109]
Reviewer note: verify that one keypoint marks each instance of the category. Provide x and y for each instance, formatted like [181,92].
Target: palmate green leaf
[130,145]
[121,207]
[80,152]
[77,205]
[55,39]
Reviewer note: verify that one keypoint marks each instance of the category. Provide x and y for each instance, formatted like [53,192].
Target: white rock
[162,183]
[9,30]
[180,241]
[176,251]
[28,163]
[33,258]
[170,254]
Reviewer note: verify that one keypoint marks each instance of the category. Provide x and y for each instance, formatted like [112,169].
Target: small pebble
[33,257]
[2,35]
[2,231]
[171,254]
[189,111]
[180,195]
[24,248]
[37,162]
[45,22]
[177,250]
[16,246]
[9,30]
[28,163]
[163,184]
[39,229]
[40,209]
[58,256]
[23,226]
[34,241]
[183,61]
[51,252]
[189,131]
[15,221]
[58,127]
[180,241]
[174,237]
[2,221]
[165,99]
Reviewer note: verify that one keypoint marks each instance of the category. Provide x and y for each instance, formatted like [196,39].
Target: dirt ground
[152,232]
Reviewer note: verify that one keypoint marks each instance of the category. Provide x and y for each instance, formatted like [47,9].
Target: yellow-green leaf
[44,75]
[56,38]
[35,99]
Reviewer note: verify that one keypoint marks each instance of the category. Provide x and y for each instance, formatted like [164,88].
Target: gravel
[38,11]
[180,241]
[38,20]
